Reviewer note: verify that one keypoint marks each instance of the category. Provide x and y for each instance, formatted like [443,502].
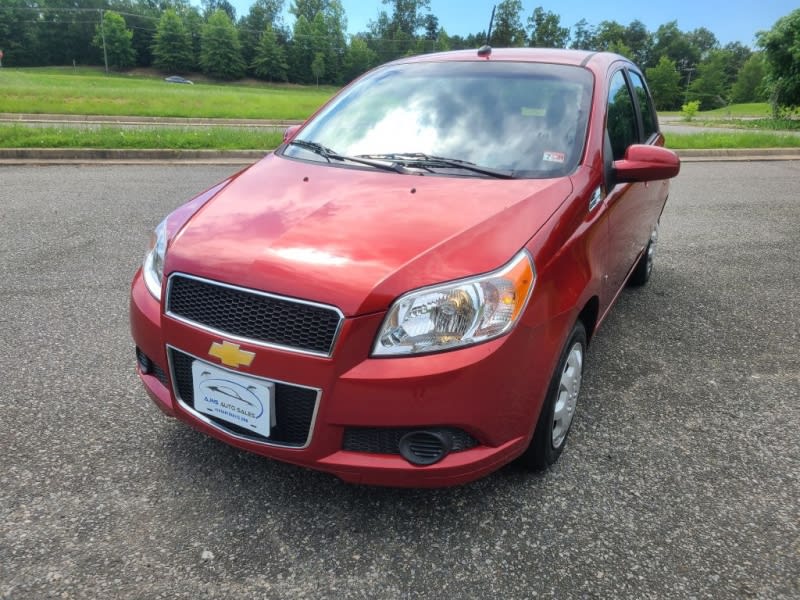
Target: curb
[92,155]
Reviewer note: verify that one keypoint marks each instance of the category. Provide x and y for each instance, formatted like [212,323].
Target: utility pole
[103,34]
[689,70]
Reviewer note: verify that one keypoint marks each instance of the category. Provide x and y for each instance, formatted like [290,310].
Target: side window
[621,120]
[645,106]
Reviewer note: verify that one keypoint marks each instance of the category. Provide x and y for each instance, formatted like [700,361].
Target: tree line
[179,38]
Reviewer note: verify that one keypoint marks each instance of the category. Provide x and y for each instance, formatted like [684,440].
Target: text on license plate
[238,399]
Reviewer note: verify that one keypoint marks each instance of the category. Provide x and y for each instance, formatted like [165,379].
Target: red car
[403,293]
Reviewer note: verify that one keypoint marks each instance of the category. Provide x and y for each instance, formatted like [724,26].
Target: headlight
[153,267]
[457,314]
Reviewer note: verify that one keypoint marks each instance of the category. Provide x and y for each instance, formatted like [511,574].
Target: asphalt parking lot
[681,478]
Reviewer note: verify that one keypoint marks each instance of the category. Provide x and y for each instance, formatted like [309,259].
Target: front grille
[253,315]
[294,406]
[386,440]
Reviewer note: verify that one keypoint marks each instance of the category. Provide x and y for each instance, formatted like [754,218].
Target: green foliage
[117,40]
[781,46]
[318,66]
[270,60]
[359,59]
[546,31]
[749,82]
[583,36]
[221,52]
[671,42]
[172,47]
[18,40]
[664,81]
[711,86]
[508,31]
[262,14]
[689,110]
[395,35]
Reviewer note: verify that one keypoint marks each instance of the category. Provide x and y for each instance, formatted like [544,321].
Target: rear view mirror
[646,163]
[290,132]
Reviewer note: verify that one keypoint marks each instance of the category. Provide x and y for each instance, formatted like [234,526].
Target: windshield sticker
[557,157]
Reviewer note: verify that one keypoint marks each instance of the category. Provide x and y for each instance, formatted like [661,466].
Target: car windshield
[527,120]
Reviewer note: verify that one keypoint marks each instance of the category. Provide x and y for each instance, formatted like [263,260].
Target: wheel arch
[588,316]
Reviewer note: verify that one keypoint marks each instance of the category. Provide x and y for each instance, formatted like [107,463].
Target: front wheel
[644,268]
[558,410]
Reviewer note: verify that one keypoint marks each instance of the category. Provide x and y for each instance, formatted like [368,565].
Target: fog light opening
[425,447]
[144,362]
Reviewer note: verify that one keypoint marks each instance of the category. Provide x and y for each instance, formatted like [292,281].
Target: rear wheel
[559,406]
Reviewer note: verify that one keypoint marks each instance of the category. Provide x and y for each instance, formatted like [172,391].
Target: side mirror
[646,163]
[290,132]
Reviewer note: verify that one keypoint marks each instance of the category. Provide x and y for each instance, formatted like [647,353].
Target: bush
[689,110]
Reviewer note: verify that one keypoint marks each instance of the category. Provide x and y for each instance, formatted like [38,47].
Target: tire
[644,268]
[558,409]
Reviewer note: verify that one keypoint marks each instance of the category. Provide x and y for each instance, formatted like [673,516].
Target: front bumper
[492,391]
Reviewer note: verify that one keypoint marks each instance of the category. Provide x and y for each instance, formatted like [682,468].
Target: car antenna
[486,49]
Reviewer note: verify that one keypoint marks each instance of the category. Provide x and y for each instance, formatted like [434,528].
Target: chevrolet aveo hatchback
[403,292]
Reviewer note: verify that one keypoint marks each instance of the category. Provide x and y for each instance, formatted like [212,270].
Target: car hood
[356,238]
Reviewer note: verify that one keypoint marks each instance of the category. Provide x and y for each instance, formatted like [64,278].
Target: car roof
[596,60]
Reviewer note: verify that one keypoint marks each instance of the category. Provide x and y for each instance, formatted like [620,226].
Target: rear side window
[621,121]
[645,106]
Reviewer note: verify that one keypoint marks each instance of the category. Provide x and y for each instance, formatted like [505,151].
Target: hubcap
[568,389]
[651,250]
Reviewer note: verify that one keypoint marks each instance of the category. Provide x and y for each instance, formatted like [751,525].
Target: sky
[730,21]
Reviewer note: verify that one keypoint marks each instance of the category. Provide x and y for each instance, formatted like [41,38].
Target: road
[681,478]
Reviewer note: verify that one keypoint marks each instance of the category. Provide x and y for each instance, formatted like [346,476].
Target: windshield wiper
[418,159]
[331,155]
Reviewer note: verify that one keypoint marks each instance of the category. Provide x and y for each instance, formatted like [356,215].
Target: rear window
[528,118]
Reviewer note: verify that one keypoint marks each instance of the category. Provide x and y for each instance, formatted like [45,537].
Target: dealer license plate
[234,398]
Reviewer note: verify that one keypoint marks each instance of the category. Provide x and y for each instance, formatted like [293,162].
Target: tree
[609,34]
[270,59]
[430,23]
[639,41]
[116,39]
[781,46]
[221,52]
[172,48]
[665,84]
[396,35]
[251,28]
[407,15]
[508,31]
[318,66]
[583,37]
[711,85]
[359,58]
[749,82]
[301,51]
[546,31]
[19,38]
[193,23]
[212,6]
[676,45]
[704,40]
[325,23]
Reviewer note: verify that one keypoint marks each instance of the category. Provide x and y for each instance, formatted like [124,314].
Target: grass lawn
[754,109]
[90,92]
[230,138]
[110,137]
[745,139]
